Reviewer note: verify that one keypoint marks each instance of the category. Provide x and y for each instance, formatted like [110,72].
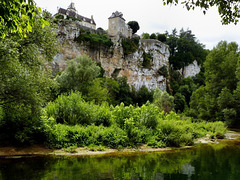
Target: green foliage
[71,149]
[162,37]
[25,80]
[163,100]
[184,49]
[227,11]
[218,99]
[63,136]
[119,126]
[163,71]
[145,36]
[72,18]
[134,26]
[80,73]
[124,94]
[180,102]
[130,45]
[145,115]
[102,71]
[153,36]
[93,147]
[95,41]
[97,92]
[59,16]
[147,59]
[72,109]
[18,17]
[142,96]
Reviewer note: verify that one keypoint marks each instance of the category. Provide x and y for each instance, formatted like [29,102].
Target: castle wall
[117,26]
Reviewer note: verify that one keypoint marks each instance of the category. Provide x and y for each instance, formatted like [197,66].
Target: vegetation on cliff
[94,40]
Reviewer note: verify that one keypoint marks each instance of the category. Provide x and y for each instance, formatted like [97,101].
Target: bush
[72,109]
[119,126]
[146,115]
[147,59]
[63,136]
[95,41]
[130,45]
[163,100]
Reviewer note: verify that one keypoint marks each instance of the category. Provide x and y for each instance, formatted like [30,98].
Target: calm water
[208,162]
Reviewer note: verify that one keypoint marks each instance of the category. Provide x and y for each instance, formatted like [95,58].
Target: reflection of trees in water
[207,162]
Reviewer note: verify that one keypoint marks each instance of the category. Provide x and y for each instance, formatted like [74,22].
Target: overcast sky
[153,17]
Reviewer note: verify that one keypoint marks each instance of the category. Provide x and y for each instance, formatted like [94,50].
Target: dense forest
[80,107]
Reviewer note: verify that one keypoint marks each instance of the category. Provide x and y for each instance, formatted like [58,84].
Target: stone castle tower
[117,26]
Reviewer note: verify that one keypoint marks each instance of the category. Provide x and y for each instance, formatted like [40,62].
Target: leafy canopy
[17,16]
[228,10]
[25,80]
[219,98]
[80,72]
[134,26]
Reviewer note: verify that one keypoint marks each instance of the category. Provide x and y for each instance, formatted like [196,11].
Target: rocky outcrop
[191,70]
[132,67]
[113,60]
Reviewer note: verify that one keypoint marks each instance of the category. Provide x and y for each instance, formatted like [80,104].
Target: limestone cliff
[192,69]
[113,60]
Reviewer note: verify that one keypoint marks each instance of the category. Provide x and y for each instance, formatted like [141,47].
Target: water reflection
[208,162]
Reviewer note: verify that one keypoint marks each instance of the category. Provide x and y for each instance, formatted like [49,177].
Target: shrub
[163,100]
[72,109]
[59,16]
[163,71]
[146,115]
[63,136]
[147,59]
[94,40]
[130,45]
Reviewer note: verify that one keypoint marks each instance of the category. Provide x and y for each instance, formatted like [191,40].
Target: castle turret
[71,7]
[117,25]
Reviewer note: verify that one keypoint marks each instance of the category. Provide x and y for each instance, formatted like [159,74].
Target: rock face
[113,60]
[191,70]
[139,76]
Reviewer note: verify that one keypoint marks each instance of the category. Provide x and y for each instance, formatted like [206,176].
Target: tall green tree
[79,74]
[218,99]
[184,49]
[25,80]
[163,100]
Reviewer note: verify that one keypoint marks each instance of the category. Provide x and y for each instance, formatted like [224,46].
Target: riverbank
[85,151]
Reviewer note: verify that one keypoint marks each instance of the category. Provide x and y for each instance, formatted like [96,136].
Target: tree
[134,26]
[184,49]
[162,37]
[78,75]
[124,95]
[18,16]
[145,36]
[153,36]
[143,95]
[163,100]
[25,80]
[97,92]
[219,98]
[228,10]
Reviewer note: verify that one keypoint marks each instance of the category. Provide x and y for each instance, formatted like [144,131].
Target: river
[204,162]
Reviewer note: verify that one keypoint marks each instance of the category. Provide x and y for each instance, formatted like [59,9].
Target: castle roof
[71,11]
[116,14]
